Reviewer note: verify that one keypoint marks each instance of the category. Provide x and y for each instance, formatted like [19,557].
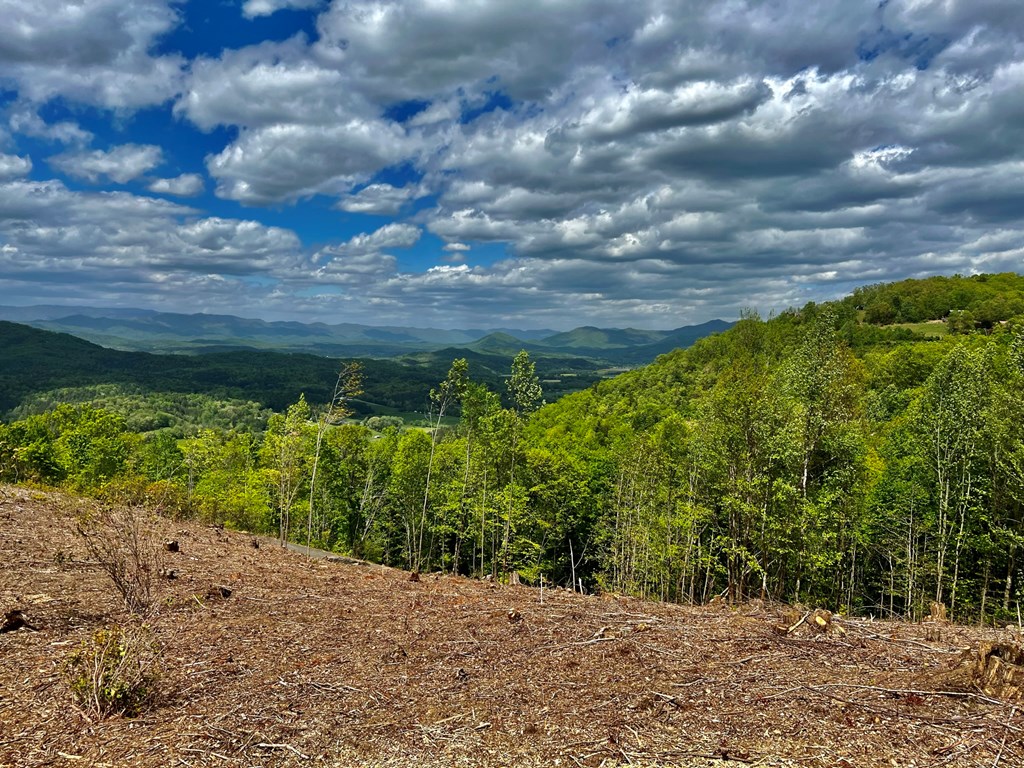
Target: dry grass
[319,663]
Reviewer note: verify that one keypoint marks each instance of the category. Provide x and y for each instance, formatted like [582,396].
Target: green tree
[285,455]
[450,392]
[348,385]
[950,419]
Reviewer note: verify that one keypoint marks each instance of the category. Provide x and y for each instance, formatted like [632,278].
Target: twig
[264,745]
[999,754]
[581,642]
[895,691]
[210,752]
[915,643]
[905,691]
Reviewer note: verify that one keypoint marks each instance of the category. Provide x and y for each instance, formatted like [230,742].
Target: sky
[499,163]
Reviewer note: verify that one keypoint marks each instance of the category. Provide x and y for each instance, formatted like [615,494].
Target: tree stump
[936,620]
[14,620]
[999,670]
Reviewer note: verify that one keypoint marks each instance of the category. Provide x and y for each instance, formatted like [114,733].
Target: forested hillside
[983,300]
[36,362]
[814,457]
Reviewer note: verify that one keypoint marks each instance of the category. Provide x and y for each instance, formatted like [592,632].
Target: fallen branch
[793,628]
[892,691]
[913,691]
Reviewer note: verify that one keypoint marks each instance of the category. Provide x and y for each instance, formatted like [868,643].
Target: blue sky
[544,163]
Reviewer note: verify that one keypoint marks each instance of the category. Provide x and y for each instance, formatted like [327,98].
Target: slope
[314,662]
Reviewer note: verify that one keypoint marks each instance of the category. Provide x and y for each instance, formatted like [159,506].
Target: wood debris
[313,662]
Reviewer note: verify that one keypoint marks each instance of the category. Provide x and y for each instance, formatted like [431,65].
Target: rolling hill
[166,332]
[34,361]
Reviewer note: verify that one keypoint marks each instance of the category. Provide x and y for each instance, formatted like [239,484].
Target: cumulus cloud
[421,49]
[646,162]
[265,85]
[98,52]
[288,162]
[13,166]
[455,252]
[186,185]
[253,8]
[120,164]
[26,121]
[388,236]
[50,230]
[365,270]
[379,199]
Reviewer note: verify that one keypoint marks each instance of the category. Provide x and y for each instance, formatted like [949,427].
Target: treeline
[976,301]
[808,458]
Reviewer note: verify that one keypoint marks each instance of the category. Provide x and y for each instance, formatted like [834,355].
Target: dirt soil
[312,662]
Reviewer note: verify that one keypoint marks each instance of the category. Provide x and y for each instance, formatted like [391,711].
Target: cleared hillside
[310,662]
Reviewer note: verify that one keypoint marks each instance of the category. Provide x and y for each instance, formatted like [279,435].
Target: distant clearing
[936,328]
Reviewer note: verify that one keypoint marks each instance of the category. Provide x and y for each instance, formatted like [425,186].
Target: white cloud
[287,162]
[26,121]
[266,85]
[365,270]
[422,49]
[94,51]
[253,8]
[186,185]
[379,199]
[456,252]
[388,236]
[120,164]
[646,162]
[13,166]
[51,231]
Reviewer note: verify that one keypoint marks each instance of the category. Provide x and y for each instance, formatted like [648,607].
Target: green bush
[114,671]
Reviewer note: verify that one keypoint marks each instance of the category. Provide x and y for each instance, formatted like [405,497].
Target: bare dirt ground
[310,662]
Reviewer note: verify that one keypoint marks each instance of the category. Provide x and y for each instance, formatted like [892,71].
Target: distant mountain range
[151,331]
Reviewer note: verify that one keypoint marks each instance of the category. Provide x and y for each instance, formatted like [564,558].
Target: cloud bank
[545,163]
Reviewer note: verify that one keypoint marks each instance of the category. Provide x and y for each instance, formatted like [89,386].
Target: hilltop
[316,662]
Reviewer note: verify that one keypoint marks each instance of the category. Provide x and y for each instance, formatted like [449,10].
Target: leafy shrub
[114,671]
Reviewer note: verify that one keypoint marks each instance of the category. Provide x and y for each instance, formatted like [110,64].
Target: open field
[930,328]
[313,663]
